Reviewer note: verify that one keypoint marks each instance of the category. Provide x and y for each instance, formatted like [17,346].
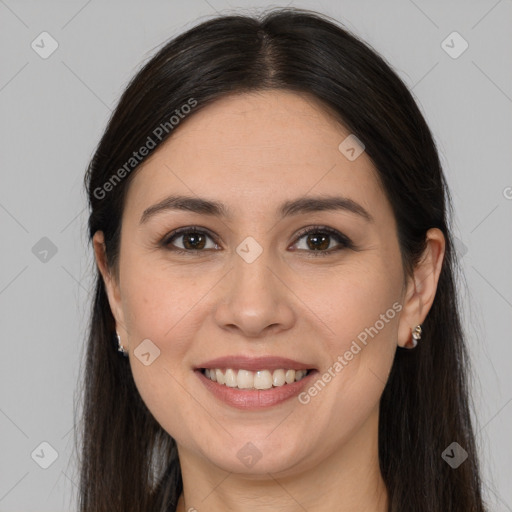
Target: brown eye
[189,240]
[194,240]
[318,240]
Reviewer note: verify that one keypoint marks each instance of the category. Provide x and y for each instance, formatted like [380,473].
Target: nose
[254,299]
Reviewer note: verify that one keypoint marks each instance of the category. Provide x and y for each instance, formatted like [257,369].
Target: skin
[253,152]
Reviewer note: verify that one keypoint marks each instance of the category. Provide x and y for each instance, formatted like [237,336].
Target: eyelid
[166,240]
[340,237]
[343,239]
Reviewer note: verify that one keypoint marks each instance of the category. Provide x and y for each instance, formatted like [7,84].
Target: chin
[258,458]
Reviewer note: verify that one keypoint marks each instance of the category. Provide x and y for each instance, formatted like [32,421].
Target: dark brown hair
[128,462]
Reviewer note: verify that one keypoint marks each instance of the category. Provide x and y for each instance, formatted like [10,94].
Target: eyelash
[343,240]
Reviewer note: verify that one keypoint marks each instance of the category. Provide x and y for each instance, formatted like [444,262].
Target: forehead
[254,149]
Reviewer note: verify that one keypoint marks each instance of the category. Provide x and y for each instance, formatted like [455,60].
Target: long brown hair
[128,462]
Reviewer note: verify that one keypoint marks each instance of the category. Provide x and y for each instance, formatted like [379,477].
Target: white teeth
[244,379]
[220,376]
[262,379]
[290,376]
[231,378]
[278,378]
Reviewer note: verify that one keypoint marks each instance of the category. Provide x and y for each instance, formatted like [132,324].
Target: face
[253,283]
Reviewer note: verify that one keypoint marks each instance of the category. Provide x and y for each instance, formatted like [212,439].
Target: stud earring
[120,347]
[416,336]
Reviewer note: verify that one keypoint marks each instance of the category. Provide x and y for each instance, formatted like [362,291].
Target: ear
[422,286]
[111,285]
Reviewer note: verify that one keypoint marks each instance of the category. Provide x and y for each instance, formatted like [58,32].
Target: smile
[252,398]
[255,380]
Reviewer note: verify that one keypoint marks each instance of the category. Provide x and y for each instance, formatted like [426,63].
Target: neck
[348,480]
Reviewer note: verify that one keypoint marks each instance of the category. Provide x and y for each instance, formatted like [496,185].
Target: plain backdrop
[53,112]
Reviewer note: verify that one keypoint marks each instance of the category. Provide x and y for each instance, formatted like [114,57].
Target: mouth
[254,380]
[250,390]
[253,383]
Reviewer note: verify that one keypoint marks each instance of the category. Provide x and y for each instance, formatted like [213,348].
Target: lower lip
[255,399]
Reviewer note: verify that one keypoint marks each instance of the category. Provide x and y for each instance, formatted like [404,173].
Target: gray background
[53,113]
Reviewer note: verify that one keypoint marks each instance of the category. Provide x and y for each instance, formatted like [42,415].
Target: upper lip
[254,363]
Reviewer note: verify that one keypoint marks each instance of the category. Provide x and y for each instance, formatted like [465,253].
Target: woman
[275,325]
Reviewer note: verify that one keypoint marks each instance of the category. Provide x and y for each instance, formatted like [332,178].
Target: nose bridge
[252,278]
[253,298]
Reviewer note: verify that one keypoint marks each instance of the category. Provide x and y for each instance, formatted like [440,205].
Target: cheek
[361,310]
[364,317]
[159,310]
[164,307]
[157,299]
[361,302]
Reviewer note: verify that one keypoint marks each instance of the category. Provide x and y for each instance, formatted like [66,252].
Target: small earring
[416,336]
[120,347]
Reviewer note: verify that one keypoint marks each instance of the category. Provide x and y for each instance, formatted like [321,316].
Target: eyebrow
[297,206]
